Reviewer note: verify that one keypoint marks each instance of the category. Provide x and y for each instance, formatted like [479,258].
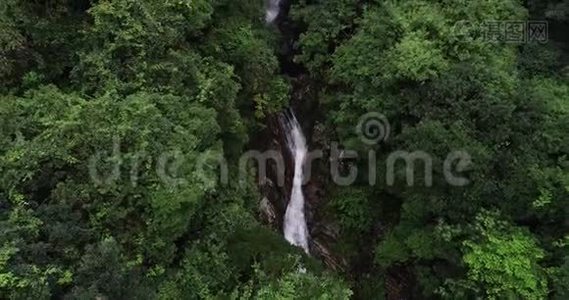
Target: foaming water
[272,11]
[295,229]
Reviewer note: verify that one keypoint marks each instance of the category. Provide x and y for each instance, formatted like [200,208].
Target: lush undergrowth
[106,107]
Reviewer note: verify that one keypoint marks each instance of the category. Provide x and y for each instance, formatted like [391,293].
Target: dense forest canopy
[108,106]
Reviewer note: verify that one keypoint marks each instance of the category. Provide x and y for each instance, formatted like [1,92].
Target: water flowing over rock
[295,229]
[272,11]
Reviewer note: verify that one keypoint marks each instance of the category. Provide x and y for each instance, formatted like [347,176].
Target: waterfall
[272,11]
[295,229]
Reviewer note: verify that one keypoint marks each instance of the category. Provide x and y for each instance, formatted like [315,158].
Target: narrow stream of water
[295,229]
[272,11]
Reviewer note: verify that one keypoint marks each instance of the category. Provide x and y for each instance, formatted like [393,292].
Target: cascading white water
[272,11]
[295,229]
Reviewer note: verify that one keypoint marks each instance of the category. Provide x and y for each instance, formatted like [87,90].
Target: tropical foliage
[108,106]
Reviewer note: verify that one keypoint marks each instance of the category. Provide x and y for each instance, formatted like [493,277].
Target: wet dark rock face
[274,200]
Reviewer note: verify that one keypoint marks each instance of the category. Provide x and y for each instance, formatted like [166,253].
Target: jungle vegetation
[134,79]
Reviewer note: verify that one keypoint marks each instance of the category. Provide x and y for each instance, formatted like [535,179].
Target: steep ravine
[304,104]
